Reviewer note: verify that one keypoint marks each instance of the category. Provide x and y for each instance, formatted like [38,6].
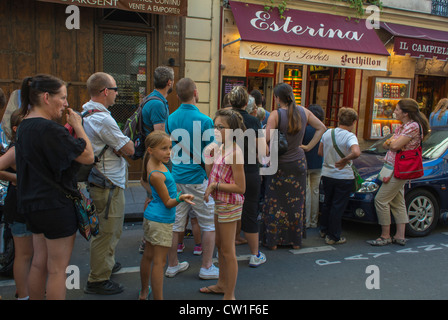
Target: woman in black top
[44,148]
[239,99]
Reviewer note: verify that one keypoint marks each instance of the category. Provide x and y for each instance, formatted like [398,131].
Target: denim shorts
[20,230]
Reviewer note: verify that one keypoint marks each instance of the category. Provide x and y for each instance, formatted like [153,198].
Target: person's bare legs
[59,252]
[37,277]
[227,255]
[23,247]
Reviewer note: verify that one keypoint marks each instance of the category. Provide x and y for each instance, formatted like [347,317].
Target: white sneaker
[210,273]
[172,271]
[255,260]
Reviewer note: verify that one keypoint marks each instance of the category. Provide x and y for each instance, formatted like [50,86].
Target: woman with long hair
[283,210]
[46,156]
[390,196]
[439,117]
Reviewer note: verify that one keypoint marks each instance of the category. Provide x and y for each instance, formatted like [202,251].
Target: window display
[383,96]
[293,77]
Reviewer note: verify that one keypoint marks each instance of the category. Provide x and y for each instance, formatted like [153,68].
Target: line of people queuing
[218,186]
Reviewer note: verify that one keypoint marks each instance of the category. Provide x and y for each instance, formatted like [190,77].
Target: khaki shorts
[203,211]
[158,234]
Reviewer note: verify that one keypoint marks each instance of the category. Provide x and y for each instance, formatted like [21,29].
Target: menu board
[229,82]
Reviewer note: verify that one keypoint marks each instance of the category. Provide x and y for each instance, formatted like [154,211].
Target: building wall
[202,51]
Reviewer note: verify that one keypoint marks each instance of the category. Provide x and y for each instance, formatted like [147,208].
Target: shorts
[158,234]
[53,223]
[202,210]
[228,212]
[20,230]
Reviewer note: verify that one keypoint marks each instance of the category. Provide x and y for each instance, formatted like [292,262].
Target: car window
[434,146]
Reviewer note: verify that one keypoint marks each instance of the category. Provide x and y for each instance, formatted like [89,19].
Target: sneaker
[341,240]
[210,273]
[116,267]
[256,260]
[197,250]
[106,287]
[180,247]
[172,271]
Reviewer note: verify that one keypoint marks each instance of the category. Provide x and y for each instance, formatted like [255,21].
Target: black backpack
[133,129]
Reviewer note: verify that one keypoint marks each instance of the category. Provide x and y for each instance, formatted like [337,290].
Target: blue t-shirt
[313,160]
[154,112]
[156,210]
[198,130]
[434,121]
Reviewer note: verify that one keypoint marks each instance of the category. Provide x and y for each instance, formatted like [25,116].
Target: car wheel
[423,212]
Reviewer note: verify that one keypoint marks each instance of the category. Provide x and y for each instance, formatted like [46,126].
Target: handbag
[281,138]
[358,179]
[409,163]
[386,172]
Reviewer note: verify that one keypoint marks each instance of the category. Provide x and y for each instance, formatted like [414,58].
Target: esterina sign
[166,7]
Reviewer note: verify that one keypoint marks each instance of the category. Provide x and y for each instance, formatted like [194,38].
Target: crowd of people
[216,183]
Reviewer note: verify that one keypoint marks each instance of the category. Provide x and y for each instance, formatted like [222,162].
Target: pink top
[222,173]
[410,129]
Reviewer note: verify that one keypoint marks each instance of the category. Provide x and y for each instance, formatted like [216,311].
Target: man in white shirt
[337,175]
[108,194]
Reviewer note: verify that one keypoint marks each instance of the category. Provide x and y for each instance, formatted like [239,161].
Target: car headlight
[368,186]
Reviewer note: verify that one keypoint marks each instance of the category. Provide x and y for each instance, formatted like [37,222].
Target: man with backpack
[156,111]
[107,182]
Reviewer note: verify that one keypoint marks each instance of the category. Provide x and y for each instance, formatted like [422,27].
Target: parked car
[426,197]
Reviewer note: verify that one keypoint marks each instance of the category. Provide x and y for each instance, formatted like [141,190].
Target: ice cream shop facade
[334,61]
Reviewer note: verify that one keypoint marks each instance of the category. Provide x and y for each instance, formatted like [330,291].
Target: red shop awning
[307,38]
[418,42]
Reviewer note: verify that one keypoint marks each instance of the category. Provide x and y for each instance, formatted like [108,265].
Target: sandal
[380,242]
[209,290]
[401,242]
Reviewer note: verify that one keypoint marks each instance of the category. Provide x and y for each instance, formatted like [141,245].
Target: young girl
[23,240]
[227,185]
[159,214]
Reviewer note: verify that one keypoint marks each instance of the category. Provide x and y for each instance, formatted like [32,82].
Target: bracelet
[217,186]
[177,197]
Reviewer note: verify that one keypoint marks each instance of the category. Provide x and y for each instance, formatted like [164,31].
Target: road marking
[128,270]
[7,283]
[312,250]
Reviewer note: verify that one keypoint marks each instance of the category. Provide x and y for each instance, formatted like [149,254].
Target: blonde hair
[152,140]
[442,106]
[238,97]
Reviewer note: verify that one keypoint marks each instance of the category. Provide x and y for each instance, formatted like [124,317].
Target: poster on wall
[229,82]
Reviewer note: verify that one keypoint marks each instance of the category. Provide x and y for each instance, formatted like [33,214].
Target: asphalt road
[352,271]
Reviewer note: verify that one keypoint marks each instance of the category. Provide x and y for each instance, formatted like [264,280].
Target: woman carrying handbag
[390,196]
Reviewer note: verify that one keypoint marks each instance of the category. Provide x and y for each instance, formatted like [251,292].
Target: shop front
[320,55]
[125,38]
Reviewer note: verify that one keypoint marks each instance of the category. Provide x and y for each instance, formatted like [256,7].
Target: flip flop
[208,290]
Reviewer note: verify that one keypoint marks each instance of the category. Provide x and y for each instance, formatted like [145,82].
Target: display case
[382,98]
[293,77]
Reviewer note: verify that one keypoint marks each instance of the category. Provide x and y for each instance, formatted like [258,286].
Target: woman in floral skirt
[283,221]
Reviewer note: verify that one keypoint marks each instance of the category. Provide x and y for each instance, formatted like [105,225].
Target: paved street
[317,271]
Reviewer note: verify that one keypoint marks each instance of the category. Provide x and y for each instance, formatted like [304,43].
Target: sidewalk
[135,196]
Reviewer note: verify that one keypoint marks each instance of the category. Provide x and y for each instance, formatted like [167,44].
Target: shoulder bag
[282,140]
[409,163]
[358,179]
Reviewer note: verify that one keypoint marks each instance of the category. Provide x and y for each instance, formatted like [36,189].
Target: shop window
[125,58]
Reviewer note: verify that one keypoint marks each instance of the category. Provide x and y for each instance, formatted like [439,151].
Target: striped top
[222,173]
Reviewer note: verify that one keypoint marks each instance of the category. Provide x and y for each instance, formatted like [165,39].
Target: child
[23,240]
[159,214]
[227,185]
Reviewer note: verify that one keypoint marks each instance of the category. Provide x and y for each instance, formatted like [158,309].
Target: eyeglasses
[220,127]
[114,88]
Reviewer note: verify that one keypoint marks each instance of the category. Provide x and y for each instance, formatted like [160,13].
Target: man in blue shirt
[156,111]
[188,128]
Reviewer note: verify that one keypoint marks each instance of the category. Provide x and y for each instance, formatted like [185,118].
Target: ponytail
[284,92]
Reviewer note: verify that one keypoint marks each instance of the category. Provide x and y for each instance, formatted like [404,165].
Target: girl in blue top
[439,117]
[159,214]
